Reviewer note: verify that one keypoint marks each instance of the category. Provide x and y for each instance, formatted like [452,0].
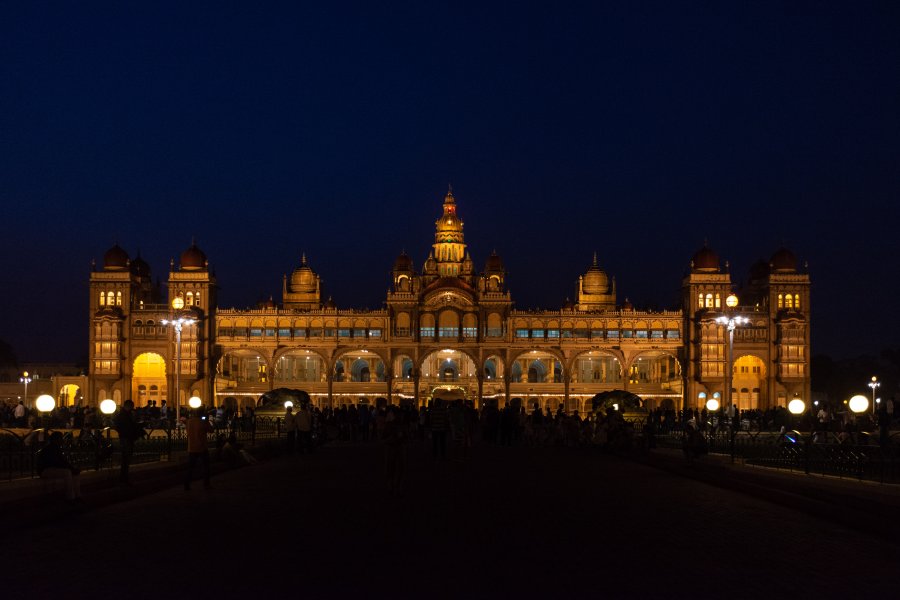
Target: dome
[403,262]
[783,261]
[115,259]
[494,263]
[628,305]
[193,259]
[329,304]
[595,280]
[568,305]
[705,260]
[140,267]
[303,279]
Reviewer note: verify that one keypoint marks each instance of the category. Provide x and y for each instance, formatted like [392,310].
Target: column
[480,378]
[416,386]
[389,379]
[330,381]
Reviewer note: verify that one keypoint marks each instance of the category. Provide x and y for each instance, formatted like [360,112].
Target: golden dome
[115,259]
[303,279]
[193,259]
[595,280]
[449,221]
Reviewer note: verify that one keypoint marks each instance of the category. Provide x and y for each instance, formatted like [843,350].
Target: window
[299,332]
[110,299]
[102,299]
[374,333]
[553,333]
[343,333]
[537,334]
[495,332]
[718,301]
[656,334]
[470,332]
[596,334]
[522,333]
[189,299]
[426,332]
[329,333]
[197,299]
[315,332]
[612,334]
[700,300]
[780,301]
[284,333]
[627,333]
[642,333]
[359,333]
[709,301]
[580,333]
[270,332]
[448,332]
[255,332]
[673,334]
[797,301]
[789,301]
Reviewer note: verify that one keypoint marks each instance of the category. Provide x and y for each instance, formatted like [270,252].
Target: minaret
[449,245]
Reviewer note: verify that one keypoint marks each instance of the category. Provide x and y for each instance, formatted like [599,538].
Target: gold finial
[595,258]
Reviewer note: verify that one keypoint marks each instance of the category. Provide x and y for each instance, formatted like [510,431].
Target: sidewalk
[862,505]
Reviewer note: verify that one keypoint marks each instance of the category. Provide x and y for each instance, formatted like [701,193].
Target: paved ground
[528,521]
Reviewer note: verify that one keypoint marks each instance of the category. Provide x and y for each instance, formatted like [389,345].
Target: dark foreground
[523,521]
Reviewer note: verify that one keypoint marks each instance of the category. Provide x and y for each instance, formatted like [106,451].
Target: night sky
[632,129]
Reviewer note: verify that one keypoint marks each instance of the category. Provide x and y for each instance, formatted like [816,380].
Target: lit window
[709,301]
[789,301]
[700,300]
[118,298]
[189,299]
[110,299]
[780,301]
[718,301]
[102,299]
[797,301]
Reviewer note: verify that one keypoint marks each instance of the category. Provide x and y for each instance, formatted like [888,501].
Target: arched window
[709,301]
[797,301]
[196,298]
[780,301]
[189,299]
[118,298]
[102,299]
[718,301]
[789,301]
[110,299]
[700,300]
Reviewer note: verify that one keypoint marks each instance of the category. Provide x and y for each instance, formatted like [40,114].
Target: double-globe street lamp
[25,379]
[178,324]
[874,384]
[730,321]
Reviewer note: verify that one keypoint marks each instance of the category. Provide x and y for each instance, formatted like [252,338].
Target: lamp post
[178,324]
[874,384]
[25,379]
[45,404]
[730,321]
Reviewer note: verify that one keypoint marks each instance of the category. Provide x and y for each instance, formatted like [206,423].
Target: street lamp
[26,380]
[874,384]
[730,321]
[177,324]
[859,403]
[44,403]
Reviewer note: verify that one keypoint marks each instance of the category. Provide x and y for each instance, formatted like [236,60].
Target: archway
[448,366]
[749,382]
[299,367]
[69,395]
[148,380]
[359,366]
[536,367]
[597,367]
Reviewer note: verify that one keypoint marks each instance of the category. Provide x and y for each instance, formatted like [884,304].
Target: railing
[859,457]
[100,450]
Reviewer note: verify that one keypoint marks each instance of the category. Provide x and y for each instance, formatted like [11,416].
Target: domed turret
[705,260]
[303,279]
[783,261]
[403,263]
[494,263]
[115,259]
[595,280]
[329,304]
[193,259]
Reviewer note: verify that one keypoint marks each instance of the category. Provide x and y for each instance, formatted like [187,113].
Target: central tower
[449,245]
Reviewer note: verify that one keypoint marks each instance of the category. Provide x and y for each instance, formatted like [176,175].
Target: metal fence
[860,457]
[100,450]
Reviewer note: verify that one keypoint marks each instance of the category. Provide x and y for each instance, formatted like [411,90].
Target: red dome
[193,259]
[115,259]
[705,260]
[494,263]
[403,263]
[783,261]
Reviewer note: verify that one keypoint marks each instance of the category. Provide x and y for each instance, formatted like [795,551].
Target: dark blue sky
[634,129]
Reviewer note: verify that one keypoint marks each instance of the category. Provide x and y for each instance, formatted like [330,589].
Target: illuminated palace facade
[449,330]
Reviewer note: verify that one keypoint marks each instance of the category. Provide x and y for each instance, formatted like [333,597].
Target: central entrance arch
[148,380]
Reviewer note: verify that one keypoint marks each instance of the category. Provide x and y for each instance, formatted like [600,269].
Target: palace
[451,330]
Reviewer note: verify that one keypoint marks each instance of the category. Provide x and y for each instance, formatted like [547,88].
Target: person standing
[290,428]
[19,414]
[198,427]
[303,421]
[129,431]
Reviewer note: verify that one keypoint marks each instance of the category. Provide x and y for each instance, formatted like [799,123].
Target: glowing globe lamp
[859,403]
[195,402]
[108,407]
[45,403]
[712,405]
[796,406]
